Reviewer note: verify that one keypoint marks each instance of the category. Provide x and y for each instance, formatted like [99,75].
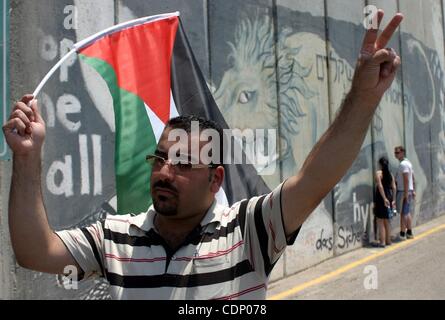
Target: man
[186,246]
[405,192]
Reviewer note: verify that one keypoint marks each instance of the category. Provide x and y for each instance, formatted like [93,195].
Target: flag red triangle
[144,53]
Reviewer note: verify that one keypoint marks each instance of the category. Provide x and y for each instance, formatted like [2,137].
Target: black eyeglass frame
[181,165]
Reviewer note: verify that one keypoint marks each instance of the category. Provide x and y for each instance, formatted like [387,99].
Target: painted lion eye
[245,96]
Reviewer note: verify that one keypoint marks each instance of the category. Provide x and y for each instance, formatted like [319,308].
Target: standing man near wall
[187,246]
[405,192]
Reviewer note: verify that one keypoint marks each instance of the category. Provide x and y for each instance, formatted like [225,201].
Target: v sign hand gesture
[376,67]
[374,73]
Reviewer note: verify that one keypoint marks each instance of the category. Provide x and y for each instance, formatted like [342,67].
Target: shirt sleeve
[404,167]
[265,234]
[86,247]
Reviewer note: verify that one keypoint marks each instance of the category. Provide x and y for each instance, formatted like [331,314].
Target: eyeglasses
[181,166]
[397,152]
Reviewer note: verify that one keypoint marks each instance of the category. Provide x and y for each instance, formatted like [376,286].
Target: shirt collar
[211,215]
[144,221]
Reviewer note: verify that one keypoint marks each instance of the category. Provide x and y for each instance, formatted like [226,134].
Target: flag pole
[94,37]
[51,72]
[81,44]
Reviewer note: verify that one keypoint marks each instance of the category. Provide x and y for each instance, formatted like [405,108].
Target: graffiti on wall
[260,73]
[293,72]
[78,148]
[270,77]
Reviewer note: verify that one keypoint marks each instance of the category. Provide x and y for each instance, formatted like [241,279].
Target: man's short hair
[400,148]
[184,122]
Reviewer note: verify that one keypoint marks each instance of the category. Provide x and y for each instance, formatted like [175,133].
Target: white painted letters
[65,187]
[48,48]
[48,105]
[97,156]
[65,46]
[361,212]
[84,165]
[68,104]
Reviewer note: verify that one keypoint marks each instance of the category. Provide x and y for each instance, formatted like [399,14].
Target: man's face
[399,154]
[179,192]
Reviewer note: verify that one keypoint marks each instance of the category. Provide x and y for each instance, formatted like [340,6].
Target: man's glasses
[180,166]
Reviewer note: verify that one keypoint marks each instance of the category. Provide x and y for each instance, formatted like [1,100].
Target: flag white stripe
[173,110]
[156,123]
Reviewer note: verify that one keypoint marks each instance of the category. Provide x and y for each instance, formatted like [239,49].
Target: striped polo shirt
[230,255]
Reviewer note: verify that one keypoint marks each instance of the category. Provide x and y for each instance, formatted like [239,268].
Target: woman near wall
[384,201]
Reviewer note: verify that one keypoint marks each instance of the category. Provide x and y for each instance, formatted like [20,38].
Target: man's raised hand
[25,130]
[377,65]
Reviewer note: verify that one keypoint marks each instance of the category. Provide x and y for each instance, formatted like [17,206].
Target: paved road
[412,269]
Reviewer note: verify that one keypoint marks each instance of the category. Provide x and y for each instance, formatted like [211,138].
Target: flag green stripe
[134,140]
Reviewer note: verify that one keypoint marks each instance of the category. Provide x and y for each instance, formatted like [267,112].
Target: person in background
[384,201]
[405,192]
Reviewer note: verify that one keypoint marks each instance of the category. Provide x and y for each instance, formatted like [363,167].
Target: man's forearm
[328,161]
[336,150]
[28,223]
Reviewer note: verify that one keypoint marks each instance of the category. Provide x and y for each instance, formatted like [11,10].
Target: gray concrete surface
[414,271]
[285,64]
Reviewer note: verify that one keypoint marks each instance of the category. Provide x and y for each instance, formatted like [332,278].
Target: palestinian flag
[153,76]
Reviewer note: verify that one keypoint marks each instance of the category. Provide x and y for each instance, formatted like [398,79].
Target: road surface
[411,269]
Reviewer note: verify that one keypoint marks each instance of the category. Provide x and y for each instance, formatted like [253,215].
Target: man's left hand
[376,66]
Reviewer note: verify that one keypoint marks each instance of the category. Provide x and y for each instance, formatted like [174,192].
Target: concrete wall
[270,64]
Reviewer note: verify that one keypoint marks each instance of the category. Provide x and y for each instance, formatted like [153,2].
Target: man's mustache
[164,185]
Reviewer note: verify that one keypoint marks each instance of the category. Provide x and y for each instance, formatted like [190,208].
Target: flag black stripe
[262,235]
[193,97]
[180,281]
[90,239]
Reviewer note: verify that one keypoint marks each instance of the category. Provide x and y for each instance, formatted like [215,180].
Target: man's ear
[217,178]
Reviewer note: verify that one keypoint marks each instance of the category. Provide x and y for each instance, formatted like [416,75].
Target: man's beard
[163,208]
[166,206]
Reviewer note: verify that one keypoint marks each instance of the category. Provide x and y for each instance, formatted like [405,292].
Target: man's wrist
[28,165]
[27,157]
[367,100]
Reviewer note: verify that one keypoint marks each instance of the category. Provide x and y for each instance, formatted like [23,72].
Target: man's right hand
[25,130]
[35,245]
